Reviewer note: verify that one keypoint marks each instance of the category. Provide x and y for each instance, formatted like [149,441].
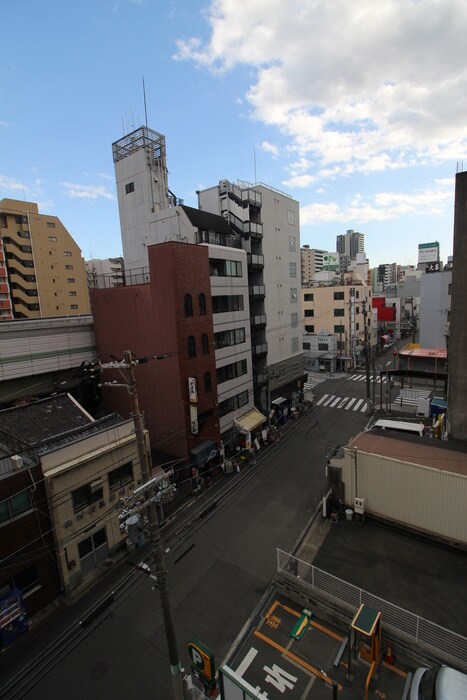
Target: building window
[73,306]
[225,268]
[338,295]
[207,382]
[71,294]
[70,280]
[53,239]
[86,495]
[225,304]
[232,371]
[292,244]
[120,476]
[310,329]
[308,297]
[233,403]
[16,505]
[191,346]
[188,305]
[227,338]
[69,267]
[292,269]
[309,312]
[66,253]
[323,347]
[291,217]
[293,295]
[202,304]
[130,187]
[294,320]
[339,312]
[294,345]
[50,224]
[306,346]
[339,329]
[205,344]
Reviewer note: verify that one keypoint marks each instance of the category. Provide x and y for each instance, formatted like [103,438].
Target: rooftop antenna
[145,107]
[254,160]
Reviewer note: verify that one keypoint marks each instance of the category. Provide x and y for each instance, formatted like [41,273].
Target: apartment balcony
[260,378]
[4,289]
[258,321]
[255,261]
[5,304]
[259,350]
[257,291]
[252,229]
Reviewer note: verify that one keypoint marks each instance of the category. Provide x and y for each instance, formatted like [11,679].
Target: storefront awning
[202,452]
[251,420]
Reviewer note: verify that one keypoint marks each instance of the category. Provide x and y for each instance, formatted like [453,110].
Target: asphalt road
[217,575]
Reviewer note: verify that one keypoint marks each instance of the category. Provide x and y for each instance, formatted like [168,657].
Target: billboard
[428,252]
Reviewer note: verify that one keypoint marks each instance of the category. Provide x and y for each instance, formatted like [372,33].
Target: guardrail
[435,640]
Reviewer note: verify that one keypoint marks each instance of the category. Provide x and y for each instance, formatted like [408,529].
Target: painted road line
[323,398]
[297,659]
[350,404]
[364,407]
[359,402]
[247,661]
[329,400]
[334,402]
[343,401]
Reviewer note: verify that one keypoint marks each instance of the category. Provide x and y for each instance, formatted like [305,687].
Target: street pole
[367,353]
[160,570]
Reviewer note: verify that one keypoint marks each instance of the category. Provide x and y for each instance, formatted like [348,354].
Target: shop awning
[251,420]
[200,454]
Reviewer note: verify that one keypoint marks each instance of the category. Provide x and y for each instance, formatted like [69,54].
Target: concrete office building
[348,245]
[268,226]
[101,274]
[311,262]
[43,271]
[435,309]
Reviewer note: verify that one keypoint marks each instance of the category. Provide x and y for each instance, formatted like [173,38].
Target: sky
[356,110]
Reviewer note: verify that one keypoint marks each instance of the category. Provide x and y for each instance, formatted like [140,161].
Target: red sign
[394,351]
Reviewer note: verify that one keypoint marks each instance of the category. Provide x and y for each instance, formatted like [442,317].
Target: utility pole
[160,570]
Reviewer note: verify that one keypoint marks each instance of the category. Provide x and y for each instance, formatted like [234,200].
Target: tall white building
[268,224]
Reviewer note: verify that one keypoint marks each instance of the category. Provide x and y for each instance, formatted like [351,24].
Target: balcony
[259,350]
[257,291]
[258,321]
[260,378]
[252,229]
[255,261]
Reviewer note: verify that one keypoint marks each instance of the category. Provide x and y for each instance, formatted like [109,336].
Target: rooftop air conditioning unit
[17,461]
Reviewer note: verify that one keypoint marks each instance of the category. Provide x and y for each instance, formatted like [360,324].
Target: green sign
[202,662]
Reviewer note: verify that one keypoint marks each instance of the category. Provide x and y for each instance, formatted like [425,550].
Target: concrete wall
[434,308]
[425,498]
[457,343]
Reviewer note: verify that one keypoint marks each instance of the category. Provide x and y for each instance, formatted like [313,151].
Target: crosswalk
[344,402]
[362,377]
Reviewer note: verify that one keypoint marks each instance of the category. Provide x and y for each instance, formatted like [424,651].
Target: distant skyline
[356,111]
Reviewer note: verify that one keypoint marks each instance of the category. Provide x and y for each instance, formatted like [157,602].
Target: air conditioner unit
[67,524]
[79,516]
[96,485]
[17,461]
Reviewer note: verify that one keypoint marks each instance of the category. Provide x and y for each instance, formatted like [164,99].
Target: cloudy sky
[357,110]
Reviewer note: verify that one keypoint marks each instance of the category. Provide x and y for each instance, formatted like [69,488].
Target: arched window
[207,382]
[205,344]
[191,346]
[202,304]
[188,305]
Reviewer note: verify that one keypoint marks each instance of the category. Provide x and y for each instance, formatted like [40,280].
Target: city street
[217,573]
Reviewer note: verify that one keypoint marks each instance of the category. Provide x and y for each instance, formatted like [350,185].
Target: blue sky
[355,110]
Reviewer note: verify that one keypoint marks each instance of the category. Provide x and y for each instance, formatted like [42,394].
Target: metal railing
[437,641]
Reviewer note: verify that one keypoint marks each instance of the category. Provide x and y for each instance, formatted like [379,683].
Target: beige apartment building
[42,272]
[343,310]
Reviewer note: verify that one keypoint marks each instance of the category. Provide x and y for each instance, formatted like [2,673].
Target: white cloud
[355,88]
[384,206]
[9,185]
[77,191]
[270,148]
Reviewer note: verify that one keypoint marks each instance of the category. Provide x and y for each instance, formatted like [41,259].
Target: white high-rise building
[268,224]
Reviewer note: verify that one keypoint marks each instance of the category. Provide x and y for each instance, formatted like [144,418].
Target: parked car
[443,683]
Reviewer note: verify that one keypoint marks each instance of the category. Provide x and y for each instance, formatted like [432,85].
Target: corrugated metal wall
[430,499]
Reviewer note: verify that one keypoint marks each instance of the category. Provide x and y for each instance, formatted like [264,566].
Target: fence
[434,640]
